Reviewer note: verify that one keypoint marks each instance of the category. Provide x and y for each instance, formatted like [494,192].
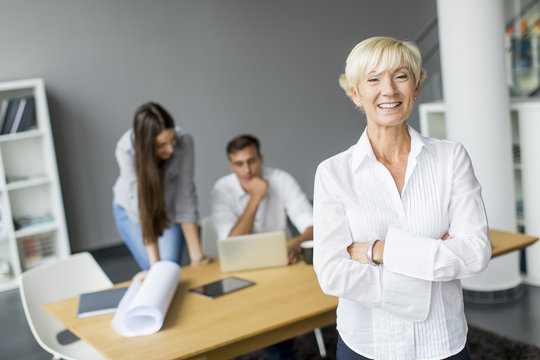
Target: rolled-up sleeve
[223,216]
[337,273]
[127,181]
[298,207]
[125,188]
[466,254]
[186,202]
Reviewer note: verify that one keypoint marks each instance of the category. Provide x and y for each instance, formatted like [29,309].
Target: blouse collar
[363,148]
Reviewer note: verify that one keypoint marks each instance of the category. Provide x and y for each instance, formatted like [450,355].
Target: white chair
[209,237]
[54,281]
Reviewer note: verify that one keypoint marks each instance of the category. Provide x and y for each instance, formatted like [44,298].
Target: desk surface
[503,242]
[286,302]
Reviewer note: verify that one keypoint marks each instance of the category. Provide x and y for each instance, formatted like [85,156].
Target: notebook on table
[253,251]
[100,302]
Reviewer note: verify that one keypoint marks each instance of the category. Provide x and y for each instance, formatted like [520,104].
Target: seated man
[256,199]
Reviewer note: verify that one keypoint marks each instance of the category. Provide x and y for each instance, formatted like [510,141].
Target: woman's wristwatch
[369,253]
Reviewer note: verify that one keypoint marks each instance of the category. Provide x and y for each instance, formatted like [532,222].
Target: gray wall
[221,67]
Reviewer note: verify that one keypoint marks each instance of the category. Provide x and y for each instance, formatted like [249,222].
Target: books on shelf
[17,115]
[10,179]
[37,248]
[32,220]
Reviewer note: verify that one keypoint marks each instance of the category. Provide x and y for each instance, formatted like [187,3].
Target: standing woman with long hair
[155,200]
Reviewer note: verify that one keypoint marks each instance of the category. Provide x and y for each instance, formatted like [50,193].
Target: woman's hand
[204,260]
[446,236]
[358,250]
[141,275]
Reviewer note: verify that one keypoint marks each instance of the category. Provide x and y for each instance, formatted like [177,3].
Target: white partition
[503,272]
[529,131]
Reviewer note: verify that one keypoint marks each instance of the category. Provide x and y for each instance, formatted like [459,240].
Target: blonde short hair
[379,54]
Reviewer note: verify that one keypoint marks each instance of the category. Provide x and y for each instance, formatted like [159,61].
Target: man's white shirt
[284,197]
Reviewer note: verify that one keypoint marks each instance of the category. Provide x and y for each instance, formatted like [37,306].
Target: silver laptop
[254,251]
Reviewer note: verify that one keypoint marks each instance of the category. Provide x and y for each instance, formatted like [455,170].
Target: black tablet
[222,287]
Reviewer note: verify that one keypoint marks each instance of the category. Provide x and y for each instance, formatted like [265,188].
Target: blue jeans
[343,352]
[170,243]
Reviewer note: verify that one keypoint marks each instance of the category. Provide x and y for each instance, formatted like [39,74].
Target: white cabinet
[32,222]
[527,122]
[525,118]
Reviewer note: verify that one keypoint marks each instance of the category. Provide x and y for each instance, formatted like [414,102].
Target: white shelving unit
[29,188]
[527,122]
[525,117]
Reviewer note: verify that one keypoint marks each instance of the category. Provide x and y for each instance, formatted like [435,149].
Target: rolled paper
[143,308]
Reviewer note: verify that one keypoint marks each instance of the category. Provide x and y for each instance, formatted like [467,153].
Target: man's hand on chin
[255,187]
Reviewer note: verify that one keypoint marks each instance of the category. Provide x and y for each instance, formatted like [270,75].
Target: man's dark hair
[241,142]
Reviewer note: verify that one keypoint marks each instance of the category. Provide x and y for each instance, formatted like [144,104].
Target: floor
[518,319]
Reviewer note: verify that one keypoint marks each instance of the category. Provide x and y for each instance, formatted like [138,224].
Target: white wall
[222,67]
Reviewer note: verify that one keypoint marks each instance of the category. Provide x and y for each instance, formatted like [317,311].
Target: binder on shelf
[28,119]
[7,121]
[19,115]
[3,109]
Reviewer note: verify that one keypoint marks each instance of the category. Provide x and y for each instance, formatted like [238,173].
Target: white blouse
[411,306]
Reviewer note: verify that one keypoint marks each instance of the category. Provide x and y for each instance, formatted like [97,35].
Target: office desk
[285,303]
[503,242]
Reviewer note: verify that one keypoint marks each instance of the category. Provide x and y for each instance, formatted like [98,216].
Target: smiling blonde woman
[398,220]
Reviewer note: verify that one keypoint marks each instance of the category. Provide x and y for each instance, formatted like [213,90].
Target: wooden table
[284,303]
[503,242]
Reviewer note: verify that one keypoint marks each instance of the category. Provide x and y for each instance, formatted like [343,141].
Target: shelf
[41,261]
[30,192]
[36,229]
[21,184]
[8,284]
[21,135]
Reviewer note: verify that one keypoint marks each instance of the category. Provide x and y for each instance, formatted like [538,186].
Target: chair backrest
[209,237]
[56,281]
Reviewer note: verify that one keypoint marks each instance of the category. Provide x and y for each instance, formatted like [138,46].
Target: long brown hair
[150,120]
